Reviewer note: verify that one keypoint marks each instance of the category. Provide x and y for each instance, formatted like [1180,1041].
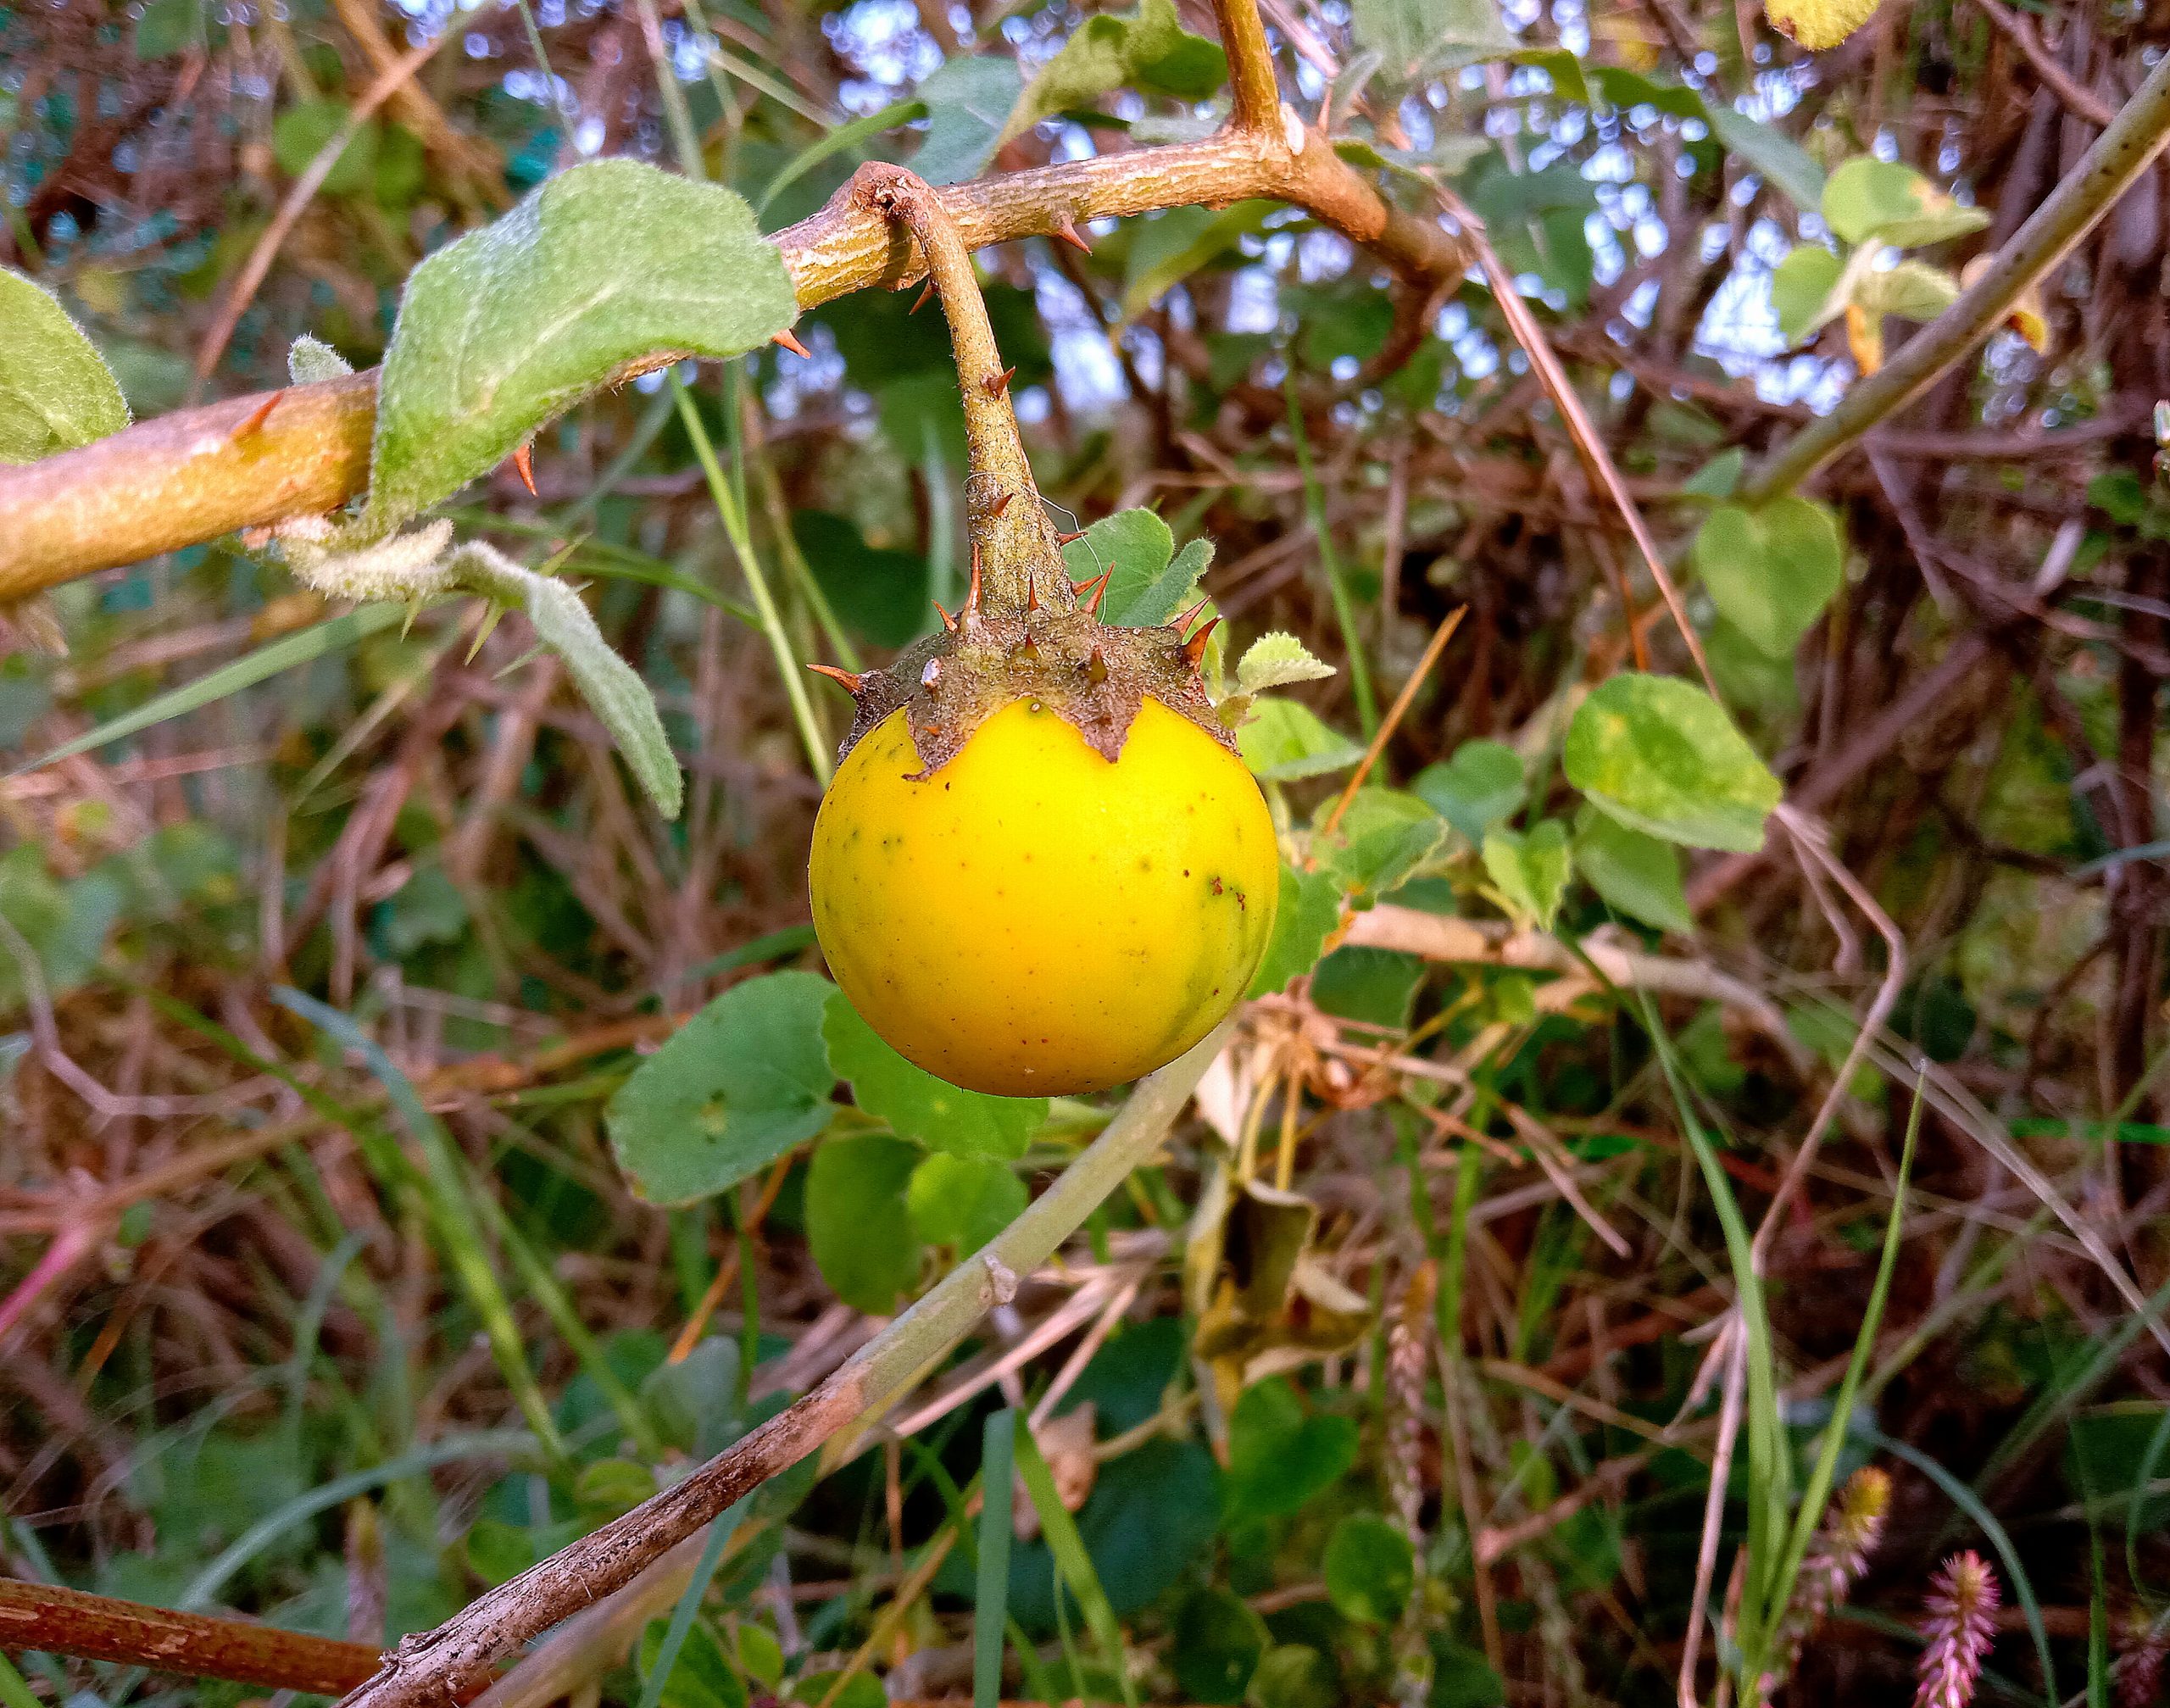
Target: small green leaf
[1717,478]
[1370,1569]
[1377,986]
[56,391]
[1147,49]
[1381,840]
[613,689]
[1285,741]
[1165,250]
[1912,290]
[310,360]
[1281,1456]
[1660,755]
[1310,907]
[759,1655]
[1771,571]
[1637,874]
[1882,201]
[608,263]
[1294,1675]
[1274,661]
[1478,786]
[1420,38]
[1790,167]
[1149,580]
[1529,872]
[918,1105]
[1217,1643]
[963,1201]
[738,1085]
[1804,288]
[968,99]
[857,1219]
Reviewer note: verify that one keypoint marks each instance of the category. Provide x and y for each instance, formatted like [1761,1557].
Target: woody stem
[1011,537]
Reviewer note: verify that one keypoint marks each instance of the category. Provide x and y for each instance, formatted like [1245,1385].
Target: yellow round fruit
[1032,920]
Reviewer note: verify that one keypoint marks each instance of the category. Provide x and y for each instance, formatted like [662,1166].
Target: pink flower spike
[1962,1605]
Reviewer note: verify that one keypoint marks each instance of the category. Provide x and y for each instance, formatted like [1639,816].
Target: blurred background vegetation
[280,1337]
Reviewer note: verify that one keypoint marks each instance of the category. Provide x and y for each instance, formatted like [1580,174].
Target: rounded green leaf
[914,1103]
[1771,570]
[1370,1569]
[1294,1675]
[1868,199]
[607,263]
[1309,908]
[1218,1643]
[1279,1455]
[1478,786]
[1635,873]
[856,1221]
[303,131]
[739,1084]
[963,1201]
[1801,287]
[1285,741]
[1660,755]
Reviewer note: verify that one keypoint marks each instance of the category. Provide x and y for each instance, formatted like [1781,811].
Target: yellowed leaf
[1819,24]
[1865,338]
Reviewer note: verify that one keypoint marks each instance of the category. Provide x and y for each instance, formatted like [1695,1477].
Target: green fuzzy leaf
[701,1677]
[1637,874]
[1419,38]
[1382,840]
[310,360]
[918,1105]
[1146,49]
[1370,1569]
[606,264]
[1276,660]
[858,1222]
[613,688]
[1529,872]
[742,1082]
[1285,741]
[1660,755]
[1478,786]
[1771,570]
[1882,201]
[968,100]
[56,391]
[1310,907]
[963,1201]
[1804,290]
[1718,479]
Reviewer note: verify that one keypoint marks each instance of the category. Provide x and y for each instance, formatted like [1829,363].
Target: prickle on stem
[997,384]
[256,416]
[791,343]
[1068,231]
[1194,647]
[1090,594]
[851,681]
[1190,616]
[1065,539]
[919,301]
[523,464]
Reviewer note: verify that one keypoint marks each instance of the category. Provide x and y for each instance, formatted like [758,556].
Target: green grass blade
[1072,1560]
[2157,1444]
[842,138]
[1344,608]
[689,1603]
[991,1598]
[1970,1503]
[268,659]
[1810,1513]
[452,1213]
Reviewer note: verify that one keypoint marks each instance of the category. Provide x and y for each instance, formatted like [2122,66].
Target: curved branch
[197,474]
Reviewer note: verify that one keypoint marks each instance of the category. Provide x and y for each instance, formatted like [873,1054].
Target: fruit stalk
[1017,563]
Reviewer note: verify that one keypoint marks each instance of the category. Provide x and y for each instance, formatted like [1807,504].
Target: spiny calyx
[1026,631]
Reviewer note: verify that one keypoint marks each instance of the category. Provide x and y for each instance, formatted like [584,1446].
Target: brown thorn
[851,683]
[1185,621]
[256,416]
[1093,592]
[972,593]
[792,344]
[1194,647]
[1032,593]
[919,302]
[1065,539]
[1096,668]
[1001,504]
[948,622]
[523,464]
[1067,231]
[996,384]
